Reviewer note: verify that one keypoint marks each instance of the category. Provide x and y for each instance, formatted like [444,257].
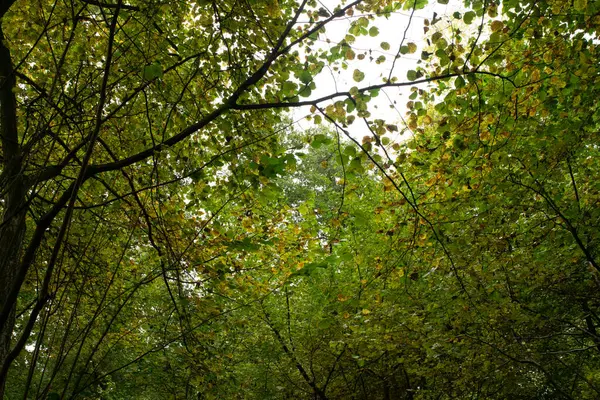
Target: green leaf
[459,83]
[310,268]
[303,209]
[289,88]
[245,244]
[358,75]
[356,165]
[385,45]
[580,5]
[153,71]
[468,17]
[350,106]
[373,31]
[318,140]
[305,77]
[417,4]
[411,75]
[305,92]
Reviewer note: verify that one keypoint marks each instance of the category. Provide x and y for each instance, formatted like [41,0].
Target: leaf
[322,12]
[319,140]
[153,71]
[305,92]
[497,26]
[358,75]
[384,45]
[417,4]
[468,17]
[350,106]
[305,77]
[459,83]
[303,209]
[350,150]
[411,75]
[373,31]
[310,268]
[412,48]
[580,5]
[289,88]
[245,244]
[356,166]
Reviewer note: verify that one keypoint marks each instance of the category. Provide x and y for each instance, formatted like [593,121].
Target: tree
[97,100]
[147,230]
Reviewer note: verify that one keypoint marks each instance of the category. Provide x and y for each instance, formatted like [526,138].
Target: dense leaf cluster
[168,231]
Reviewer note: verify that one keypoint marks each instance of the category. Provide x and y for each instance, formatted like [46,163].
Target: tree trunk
[12,195]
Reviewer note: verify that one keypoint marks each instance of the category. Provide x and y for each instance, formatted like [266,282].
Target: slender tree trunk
[12,196]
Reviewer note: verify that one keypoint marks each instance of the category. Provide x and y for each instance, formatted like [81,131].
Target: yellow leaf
[580,5]
[497,26]
[341,297]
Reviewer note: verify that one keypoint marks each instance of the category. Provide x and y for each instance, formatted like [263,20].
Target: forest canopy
[188,212]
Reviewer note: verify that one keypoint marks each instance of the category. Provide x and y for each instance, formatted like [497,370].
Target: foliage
[168,233]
